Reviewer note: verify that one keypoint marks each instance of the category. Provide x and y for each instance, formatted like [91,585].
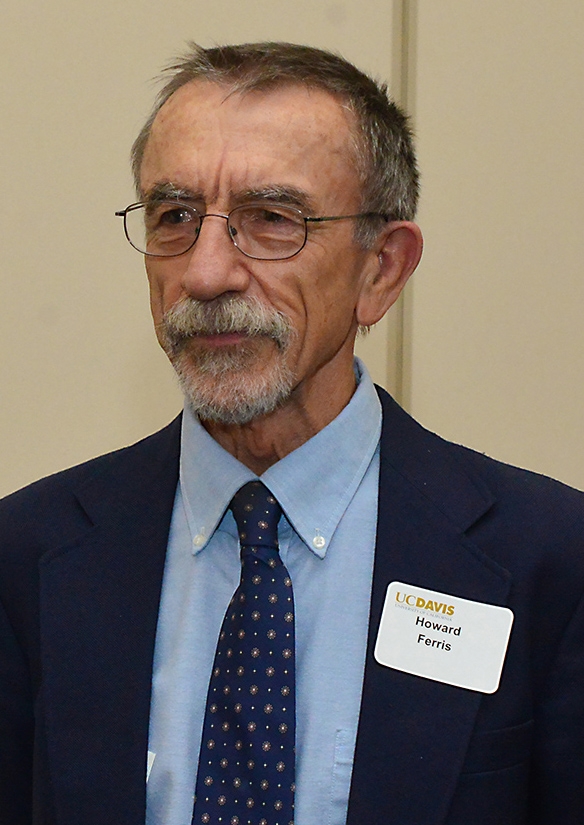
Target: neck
[267,439]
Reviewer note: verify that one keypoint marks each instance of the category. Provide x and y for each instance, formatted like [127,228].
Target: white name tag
[443,638]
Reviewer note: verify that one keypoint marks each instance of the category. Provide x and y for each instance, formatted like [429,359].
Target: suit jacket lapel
[413,732]
[99,606]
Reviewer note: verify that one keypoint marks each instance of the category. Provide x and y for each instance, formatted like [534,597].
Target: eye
[272,216]
[268,218]
[173,215]
[169,228]
[165,219]
[267,231]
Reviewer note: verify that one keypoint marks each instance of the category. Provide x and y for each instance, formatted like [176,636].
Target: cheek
[164,288]
[319,299]
[330,303]
[322,323]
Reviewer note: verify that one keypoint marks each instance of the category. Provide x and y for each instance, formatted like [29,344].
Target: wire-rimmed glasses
[263,231]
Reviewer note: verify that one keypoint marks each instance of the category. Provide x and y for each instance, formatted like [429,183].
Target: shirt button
[199,540]
[319,542]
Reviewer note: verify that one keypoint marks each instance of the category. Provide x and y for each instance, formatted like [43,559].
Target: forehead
[208,137]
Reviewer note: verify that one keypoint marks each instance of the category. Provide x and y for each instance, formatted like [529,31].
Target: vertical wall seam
[405,18]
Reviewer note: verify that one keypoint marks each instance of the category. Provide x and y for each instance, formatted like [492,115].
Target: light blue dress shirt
[328,489]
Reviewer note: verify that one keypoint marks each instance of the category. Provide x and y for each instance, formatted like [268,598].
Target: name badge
[442,637]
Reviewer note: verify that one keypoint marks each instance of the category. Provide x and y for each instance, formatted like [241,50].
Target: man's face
[220,151]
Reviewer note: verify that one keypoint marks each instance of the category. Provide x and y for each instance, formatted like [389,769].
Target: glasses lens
[268,232]
[165,229]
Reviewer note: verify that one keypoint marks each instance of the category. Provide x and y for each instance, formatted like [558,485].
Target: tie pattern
[247,759]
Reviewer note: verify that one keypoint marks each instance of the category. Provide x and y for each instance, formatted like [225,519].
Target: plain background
[487,347]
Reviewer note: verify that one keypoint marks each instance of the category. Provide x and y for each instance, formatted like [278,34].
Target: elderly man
[293,604]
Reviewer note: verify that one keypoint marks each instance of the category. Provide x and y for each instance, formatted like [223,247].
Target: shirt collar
[209,477]
[314,484]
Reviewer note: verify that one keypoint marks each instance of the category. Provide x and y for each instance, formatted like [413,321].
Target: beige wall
[80,372]
[495,329]
[494,347]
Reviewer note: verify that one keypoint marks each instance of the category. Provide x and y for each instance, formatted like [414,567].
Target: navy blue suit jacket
[81,563]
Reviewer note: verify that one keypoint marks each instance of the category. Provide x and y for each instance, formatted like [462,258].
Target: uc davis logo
[419,602]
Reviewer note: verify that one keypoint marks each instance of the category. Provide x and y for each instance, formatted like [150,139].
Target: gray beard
[231,385]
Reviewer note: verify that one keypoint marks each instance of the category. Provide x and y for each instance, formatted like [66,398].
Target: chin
[232,387]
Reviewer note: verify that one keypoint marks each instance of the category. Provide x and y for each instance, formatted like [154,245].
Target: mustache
[249,316]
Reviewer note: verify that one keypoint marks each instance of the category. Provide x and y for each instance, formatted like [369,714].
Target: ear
[394,257]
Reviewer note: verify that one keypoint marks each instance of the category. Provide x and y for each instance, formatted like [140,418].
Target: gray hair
[382,141]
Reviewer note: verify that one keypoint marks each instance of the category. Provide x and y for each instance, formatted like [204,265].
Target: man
[277,186]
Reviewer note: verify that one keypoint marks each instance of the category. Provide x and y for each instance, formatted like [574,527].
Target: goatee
[229,384]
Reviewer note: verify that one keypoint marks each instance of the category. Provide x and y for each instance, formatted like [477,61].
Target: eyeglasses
[263,231]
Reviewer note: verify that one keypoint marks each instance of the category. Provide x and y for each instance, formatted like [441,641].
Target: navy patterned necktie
[247,758]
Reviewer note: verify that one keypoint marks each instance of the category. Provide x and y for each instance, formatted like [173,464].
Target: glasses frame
[264,204]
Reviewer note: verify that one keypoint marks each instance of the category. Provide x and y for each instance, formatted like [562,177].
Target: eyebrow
[272,193]
[165,190]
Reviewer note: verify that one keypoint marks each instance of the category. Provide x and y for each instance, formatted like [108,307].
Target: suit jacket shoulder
[512,513]
[47,512]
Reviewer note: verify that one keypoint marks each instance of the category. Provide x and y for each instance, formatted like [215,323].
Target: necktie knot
[256,514]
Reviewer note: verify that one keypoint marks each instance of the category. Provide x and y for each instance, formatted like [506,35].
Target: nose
[215,266]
